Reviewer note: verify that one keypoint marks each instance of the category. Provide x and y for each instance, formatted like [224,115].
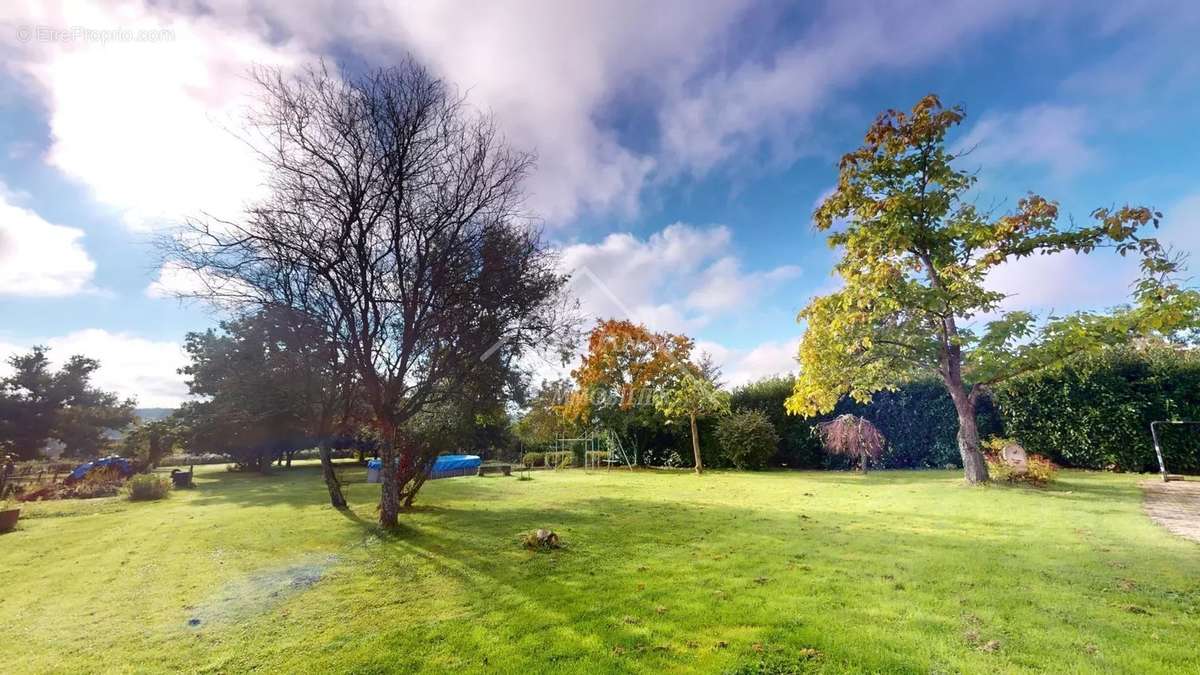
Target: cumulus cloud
[38,258]
[724,286]
[1053,136]
[151,126]
[1064,281]
[146,124]
[130,365]
[624,276]
[740,366]
[1071,281]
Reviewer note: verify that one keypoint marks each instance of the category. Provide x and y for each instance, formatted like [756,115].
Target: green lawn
[895,572]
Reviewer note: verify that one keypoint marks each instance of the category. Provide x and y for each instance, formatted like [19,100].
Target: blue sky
[681,146]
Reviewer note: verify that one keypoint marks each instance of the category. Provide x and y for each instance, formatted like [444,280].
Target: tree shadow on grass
[732,562]
[298,486]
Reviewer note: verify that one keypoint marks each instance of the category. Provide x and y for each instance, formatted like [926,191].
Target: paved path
[1175,506]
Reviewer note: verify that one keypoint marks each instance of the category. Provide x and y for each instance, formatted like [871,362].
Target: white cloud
[623,276]
[176,281]
[38,258]
[1068,281]
[548,70]
[1054,136]
[732,114]
[1064,282]
[148,125]
[130,365]
[740,366]
[141,123]
[724,285]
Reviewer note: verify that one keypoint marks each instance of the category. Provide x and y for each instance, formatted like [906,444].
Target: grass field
[770,572]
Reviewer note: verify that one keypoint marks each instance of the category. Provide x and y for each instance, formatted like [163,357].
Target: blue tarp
[444,466]
[82,470]
[454,465]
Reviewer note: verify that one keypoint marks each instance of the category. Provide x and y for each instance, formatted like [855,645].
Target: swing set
[601,449]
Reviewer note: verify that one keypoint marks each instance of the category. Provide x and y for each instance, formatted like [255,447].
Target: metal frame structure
[1162,467]
[593,442]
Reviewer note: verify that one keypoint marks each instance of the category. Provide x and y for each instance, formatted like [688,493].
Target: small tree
[852,436]
[915,257]
[748,439]
[151,440]
[692,396]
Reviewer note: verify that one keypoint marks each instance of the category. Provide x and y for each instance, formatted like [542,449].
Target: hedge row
[1093,412]
[918,420]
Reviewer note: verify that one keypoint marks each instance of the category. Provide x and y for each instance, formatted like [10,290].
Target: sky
[681,146]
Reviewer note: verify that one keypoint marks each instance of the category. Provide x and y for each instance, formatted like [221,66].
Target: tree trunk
[974,468]
[336,499]
[389,493]
[696,446]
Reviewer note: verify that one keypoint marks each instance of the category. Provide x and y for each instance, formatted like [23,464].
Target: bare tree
[394,220]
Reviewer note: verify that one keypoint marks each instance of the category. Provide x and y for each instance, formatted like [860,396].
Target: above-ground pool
[445,466]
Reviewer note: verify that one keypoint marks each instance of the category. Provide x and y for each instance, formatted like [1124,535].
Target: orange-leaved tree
[624,370]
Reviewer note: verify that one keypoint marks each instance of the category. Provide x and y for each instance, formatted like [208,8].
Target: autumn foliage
[625,365]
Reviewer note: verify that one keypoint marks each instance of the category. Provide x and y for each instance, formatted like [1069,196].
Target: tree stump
[1014,456]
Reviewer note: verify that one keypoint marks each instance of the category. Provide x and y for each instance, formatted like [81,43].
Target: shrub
[148,487]
[560,460]
[748,439]
[852,436]
[596,456]
[533,459]
[1039,470]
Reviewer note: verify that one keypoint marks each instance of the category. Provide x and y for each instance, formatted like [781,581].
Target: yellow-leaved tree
[915,256]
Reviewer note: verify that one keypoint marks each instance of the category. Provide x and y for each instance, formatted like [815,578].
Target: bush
[748,439]
[797,448]
[560,460]
[148,487]
[1039,470]
[1095,411]
[533,459]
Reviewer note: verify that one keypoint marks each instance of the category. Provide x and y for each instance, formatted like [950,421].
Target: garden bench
[484,469]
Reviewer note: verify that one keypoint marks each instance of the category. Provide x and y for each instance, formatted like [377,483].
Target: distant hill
[152,414]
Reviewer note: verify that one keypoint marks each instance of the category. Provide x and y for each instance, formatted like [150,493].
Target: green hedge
[1095,411]
[918,421]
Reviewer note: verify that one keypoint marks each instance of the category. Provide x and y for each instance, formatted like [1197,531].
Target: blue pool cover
[445,466]
[454,465]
